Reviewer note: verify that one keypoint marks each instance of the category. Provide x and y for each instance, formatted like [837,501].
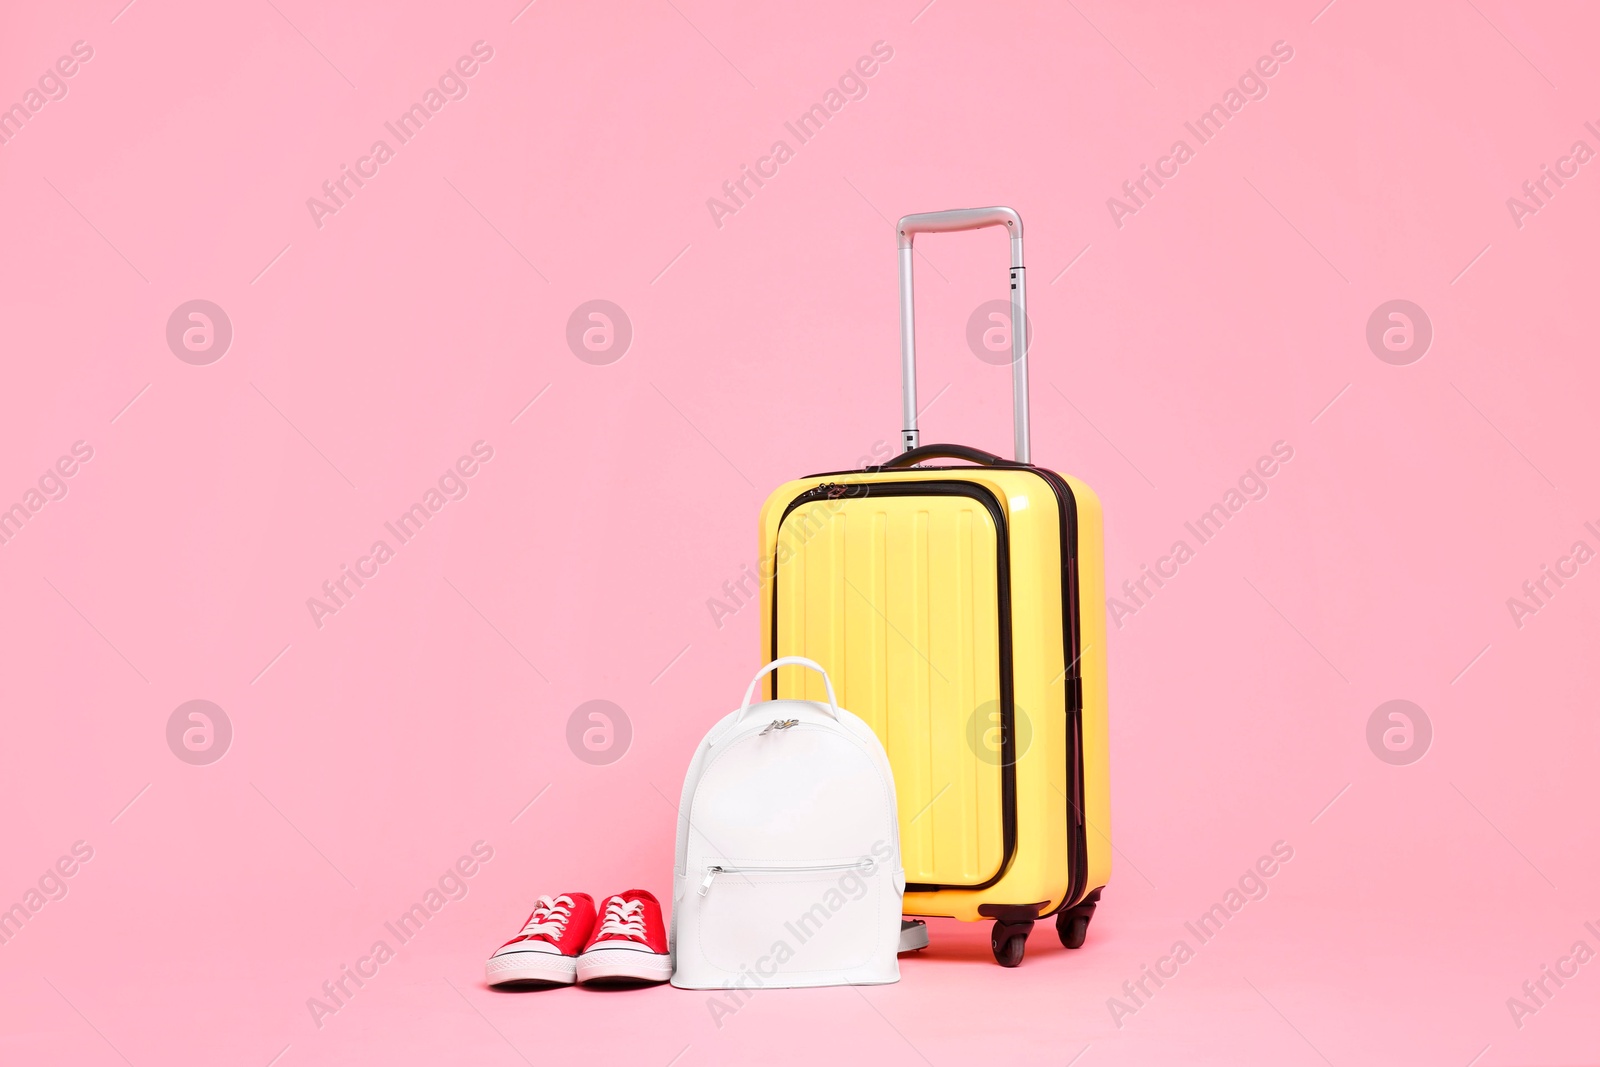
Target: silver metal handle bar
[946,222]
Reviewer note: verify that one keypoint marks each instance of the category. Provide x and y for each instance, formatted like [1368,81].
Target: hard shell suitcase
[954,608]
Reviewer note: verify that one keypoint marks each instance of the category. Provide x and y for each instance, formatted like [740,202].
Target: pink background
[424,316]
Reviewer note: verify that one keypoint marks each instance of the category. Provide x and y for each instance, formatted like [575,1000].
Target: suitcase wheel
[1073,929]
[1008,940]
[1072,925]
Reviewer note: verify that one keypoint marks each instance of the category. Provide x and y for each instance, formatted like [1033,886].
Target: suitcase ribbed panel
[900,595]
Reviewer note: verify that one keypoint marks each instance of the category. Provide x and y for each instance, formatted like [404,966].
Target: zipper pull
[705,883]
[831,490]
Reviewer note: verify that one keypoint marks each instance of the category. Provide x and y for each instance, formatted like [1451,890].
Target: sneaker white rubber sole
[547,967]
[623,963]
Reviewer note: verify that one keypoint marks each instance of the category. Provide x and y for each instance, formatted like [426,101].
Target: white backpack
[788,860]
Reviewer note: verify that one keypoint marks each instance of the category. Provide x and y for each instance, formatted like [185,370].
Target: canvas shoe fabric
[548,948]
[629,942]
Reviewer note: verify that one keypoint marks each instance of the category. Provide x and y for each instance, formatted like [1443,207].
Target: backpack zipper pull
[711,874]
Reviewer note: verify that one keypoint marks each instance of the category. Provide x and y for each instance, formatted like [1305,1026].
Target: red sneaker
[546,952]
[629,942]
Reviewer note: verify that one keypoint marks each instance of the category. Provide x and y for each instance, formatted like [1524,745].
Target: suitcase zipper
[1077,829]
[866,863]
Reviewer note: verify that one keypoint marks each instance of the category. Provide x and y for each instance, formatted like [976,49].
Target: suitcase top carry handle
[922,452]
[944,222]
[789,661]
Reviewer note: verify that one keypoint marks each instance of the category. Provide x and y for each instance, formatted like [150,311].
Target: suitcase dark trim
[1077,828]
[1008,756]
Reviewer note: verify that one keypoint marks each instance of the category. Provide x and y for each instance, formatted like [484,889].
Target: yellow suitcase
[955,608]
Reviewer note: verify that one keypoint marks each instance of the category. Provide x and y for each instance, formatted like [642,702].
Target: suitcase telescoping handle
[945,222]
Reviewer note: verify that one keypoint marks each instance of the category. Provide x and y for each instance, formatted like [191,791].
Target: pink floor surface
[190,486]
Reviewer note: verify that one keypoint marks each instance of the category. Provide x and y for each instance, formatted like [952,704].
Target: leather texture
[787,867]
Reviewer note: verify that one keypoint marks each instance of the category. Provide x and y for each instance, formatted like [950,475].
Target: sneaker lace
[624,918]
[549,917]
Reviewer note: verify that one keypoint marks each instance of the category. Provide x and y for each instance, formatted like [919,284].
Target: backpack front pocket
[796,918]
